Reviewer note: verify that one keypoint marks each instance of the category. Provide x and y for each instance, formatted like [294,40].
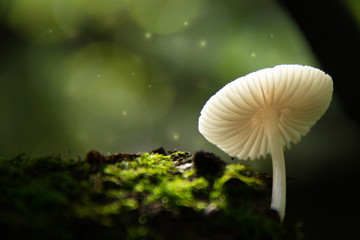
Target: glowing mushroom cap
[233,119]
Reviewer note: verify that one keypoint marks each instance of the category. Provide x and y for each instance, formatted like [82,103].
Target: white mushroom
[265,111]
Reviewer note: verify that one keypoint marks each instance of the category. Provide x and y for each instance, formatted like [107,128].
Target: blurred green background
[133,75]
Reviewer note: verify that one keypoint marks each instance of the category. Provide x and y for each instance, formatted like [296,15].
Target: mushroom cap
[232,119]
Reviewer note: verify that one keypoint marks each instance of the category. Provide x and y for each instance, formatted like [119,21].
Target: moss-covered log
[155,195]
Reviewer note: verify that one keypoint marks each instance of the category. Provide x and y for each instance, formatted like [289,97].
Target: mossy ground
[155,195]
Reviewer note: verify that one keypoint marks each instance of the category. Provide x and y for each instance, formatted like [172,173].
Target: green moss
[135,196]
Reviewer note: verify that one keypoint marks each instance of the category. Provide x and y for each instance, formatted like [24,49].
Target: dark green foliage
[134,196]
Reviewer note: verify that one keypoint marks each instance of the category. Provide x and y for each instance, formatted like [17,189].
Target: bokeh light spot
[32,21]
[164,16]
[148,35]
[203,43]
[287,47]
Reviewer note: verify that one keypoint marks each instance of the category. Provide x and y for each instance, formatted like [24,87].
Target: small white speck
[184,167]
[176,137]
[253,55]
[149,86]
[50,31]
[186,23]
[124,112]
[98,76]
[271,35]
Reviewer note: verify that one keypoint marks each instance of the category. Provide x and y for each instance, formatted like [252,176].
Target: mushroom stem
[272,131]
[278,198]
